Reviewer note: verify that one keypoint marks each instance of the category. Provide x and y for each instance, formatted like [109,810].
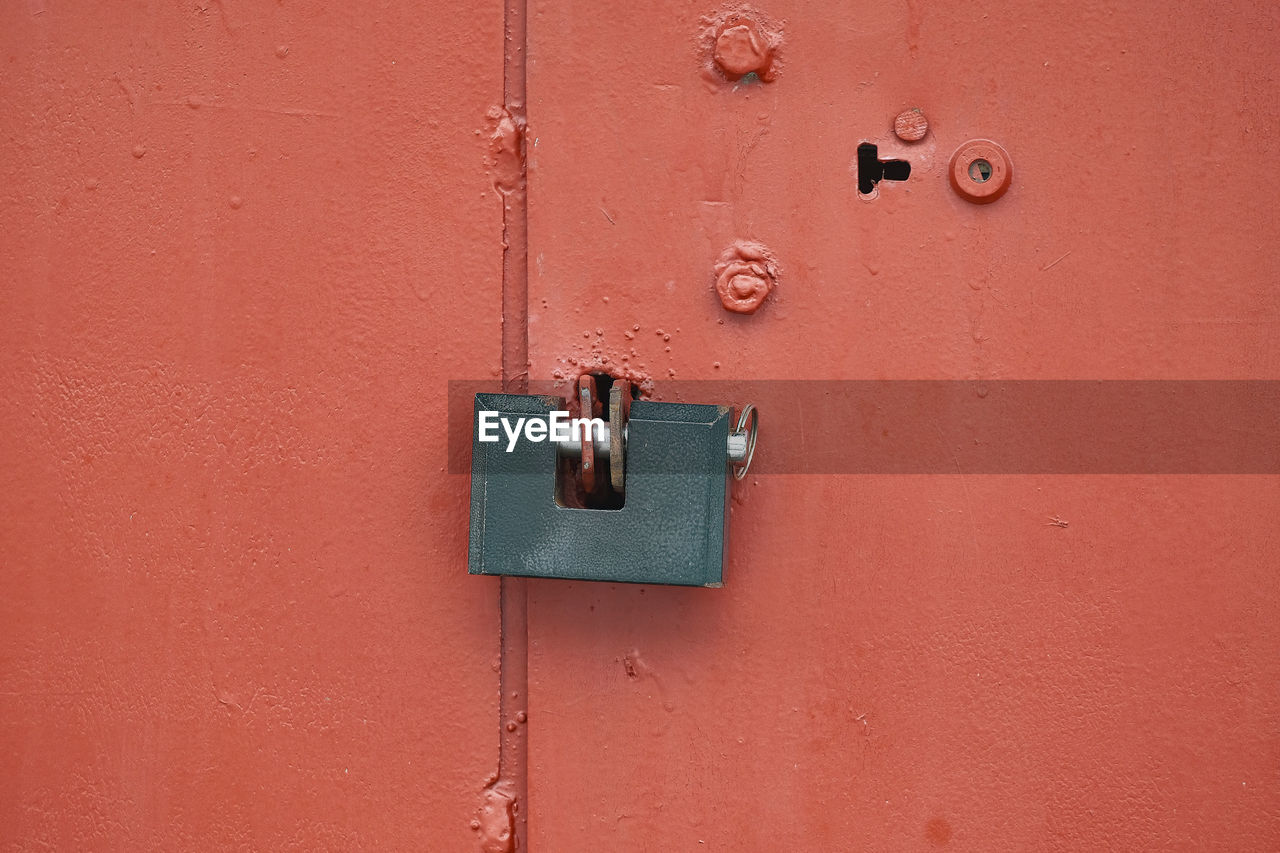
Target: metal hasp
[669,530]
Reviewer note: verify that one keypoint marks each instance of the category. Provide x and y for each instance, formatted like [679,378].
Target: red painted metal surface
[244,249]
[917,662]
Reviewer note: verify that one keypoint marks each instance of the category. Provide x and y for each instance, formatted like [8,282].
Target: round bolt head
[744,46]
[911,125]
[738,50]
[980,171]
[745,275]
[744,286]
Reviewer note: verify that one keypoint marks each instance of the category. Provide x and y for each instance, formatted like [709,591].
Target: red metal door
[245,248]
[962,661]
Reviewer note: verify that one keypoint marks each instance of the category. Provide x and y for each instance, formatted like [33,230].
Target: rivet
[911,125]
[980,171]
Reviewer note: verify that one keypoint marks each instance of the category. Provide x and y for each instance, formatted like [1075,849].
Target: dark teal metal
[671,529]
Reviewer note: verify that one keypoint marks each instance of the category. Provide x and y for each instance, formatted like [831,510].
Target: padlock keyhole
[571,494]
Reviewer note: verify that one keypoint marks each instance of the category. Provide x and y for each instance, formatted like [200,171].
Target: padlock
[656,477]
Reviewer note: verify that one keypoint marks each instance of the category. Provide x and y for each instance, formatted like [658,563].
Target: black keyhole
[872,170]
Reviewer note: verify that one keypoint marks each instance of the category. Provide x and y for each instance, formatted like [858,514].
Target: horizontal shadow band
[971,426]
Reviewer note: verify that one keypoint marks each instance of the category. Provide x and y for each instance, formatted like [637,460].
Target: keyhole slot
[872,170]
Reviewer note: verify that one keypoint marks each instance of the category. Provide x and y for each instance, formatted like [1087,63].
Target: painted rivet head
[911,125]
[746,274]
[980,171]
[744,46]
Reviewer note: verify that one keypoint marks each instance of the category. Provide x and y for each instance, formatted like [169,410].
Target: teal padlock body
[670,529]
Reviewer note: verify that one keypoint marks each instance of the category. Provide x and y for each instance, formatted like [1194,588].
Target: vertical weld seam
[513,677]
[515,268]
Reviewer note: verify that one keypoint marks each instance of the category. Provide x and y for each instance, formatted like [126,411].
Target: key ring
[748,411]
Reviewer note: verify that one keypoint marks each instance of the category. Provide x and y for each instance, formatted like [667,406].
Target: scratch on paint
[1052,264]
[964,485]
[294,111]
[913,27]
[196,102]
[128,91]
[224,17]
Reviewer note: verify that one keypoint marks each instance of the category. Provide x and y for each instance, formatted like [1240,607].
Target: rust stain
[938,831]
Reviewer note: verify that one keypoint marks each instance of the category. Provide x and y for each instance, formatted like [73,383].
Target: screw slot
[980,171]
